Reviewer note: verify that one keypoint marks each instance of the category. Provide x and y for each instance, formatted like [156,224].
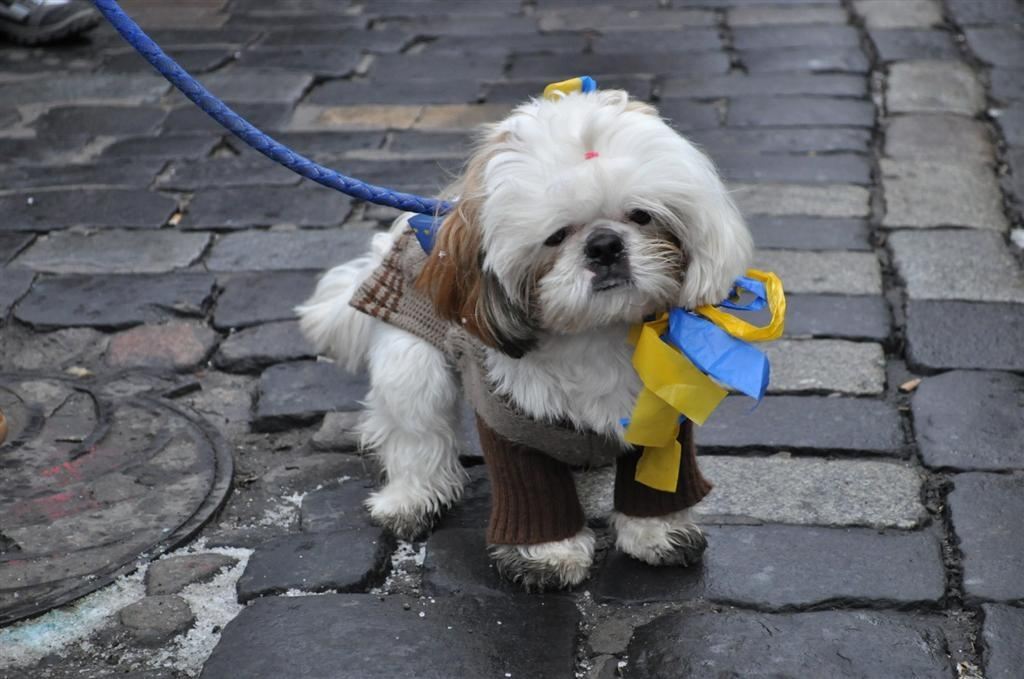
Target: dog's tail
[335,328]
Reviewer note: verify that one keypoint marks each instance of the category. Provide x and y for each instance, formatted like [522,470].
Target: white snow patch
[286,510]
[299,592]
[1017,237]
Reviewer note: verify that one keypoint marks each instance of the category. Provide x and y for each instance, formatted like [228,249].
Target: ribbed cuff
[533,496]
[636,499]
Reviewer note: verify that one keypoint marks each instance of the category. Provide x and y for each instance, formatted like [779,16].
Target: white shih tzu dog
[576,218]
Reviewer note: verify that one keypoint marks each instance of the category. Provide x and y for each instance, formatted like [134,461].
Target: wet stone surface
[173,574]
[299,392]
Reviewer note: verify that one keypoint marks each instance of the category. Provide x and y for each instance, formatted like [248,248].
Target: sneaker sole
[36,35]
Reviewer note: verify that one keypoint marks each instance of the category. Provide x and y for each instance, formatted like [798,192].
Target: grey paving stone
[754,37]
[985,509]
[300,392]
[445,28]
[809,233]
[338,431]
[50,351]
[302,471]
[407,67]
[340,561]
[244,207]
[960,194]
[173,574]
[177,345]
[782,489]
[457,563]
[13,243]
[252,349]
[335,61]
[804,424]
[435,91]
[225,401]
[771,85]
[154,620]
[781,140]
[686,115]
[563,43]
[285,35]
[908,44]
[133,173]
[612,40]
[95,208]
[8,117]
[747,565]
[938,137]
[115,301]
[195,60]
[113,251]
[13,285]
[601,18]
[904,14]
[298,637]
[841,273]
[320,145]
[278,250]
[826,365]
[972,12]
[925,260]
[944,334]
[799,111]
[258,85]
[1001,632]
[1011,122]
[427,175]
[121,121]
[860,317]
[657,63]
[833,59]
[519,90]
[163,147]
[1007,84]
[85,88]
[934,87]
[767,16]
[337,507]
[195,36]
[840,200]
[968,420]
[254,298]
[840,168]
[1001,45]
[840,644]
[189,119]
[248,170]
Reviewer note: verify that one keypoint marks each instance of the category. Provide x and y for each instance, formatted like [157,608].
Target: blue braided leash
[248,133]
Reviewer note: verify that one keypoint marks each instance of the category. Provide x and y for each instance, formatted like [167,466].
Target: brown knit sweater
[533,495]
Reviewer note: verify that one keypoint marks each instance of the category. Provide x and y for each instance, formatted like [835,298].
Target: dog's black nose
[603,247]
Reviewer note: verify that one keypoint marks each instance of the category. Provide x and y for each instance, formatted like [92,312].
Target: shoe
[38,22]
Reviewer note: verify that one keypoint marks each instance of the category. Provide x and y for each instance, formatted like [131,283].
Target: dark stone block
[8,117]
[201,37]
[337,507]
[244,207]
[473,509]
[430,174]
[846,168]
[259,85]
[303,471]
[189,146]
[971,420]
[814,59]
[766,85]
[656,63]
[859,317]
[341,561]
[1011,122]
[94,121]
[973,13]
[799,111]
[195,60]
[297,393]
[682,40]
[565,43]
[113,301]
[907,44]
[60,88]
[32,152]
[13,284]
[998,45]
[251,299]
[286,35]
[1007,84]
[467,636]
[11,244]
[128,173]
[264,115]
[457,563]
[809,233]
[466,26]
[415,92]
[411,67]
[783,140]
[686,115]
[431,143]
[986,511]
[1002,633]
[173,574]
[945,334]
[758,37]
[837,644]
[95,208]
[255,348]
[319,145]
[212,173]
[334,61]
[155,620]
[804,423]
[753,566]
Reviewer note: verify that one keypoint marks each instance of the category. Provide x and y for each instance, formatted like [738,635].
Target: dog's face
[580,213]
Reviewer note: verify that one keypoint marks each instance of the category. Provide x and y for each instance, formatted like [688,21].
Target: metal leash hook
[247,132]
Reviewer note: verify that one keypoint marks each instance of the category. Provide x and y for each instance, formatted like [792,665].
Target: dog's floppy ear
[462,292]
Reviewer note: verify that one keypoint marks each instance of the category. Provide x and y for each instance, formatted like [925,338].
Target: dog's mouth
[610,281]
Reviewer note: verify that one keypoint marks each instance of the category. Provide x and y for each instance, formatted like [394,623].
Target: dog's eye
[640,217]
[557,237]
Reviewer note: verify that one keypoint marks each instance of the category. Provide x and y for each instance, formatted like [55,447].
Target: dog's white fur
[531,180]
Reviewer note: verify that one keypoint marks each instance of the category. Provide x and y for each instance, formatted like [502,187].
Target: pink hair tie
[590,154]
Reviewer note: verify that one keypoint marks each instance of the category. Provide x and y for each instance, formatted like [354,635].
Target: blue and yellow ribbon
[684,359]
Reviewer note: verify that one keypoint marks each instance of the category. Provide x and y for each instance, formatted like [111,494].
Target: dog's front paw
[404,514]
[673,539]
[548,565]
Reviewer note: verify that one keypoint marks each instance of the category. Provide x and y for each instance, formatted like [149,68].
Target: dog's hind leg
[410,425]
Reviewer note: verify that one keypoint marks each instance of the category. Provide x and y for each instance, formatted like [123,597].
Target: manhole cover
[95,479]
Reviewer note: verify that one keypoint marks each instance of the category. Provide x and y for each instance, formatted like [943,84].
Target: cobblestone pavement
[866,517]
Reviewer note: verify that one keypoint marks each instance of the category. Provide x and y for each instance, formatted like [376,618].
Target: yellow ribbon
[673,386]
